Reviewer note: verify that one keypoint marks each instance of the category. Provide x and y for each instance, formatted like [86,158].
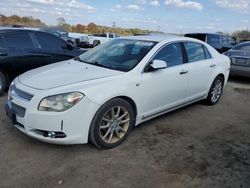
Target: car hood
[64,73]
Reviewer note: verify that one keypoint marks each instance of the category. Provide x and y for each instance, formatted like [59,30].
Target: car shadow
[239,80]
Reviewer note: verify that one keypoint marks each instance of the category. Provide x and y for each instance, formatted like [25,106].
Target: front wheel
[215,91]
[111,124]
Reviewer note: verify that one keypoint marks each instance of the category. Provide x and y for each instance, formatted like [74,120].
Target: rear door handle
[3,54]
[184,72]
[212,65]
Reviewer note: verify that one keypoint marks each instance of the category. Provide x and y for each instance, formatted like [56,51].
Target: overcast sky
[178,16]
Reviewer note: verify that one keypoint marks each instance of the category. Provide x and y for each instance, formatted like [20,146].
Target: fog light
[51,134]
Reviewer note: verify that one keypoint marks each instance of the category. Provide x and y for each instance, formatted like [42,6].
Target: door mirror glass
[158,64]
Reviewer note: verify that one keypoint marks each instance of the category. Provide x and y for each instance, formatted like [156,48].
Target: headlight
[61,102]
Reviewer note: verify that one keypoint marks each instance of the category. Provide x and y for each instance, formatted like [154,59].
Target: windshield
[118,54]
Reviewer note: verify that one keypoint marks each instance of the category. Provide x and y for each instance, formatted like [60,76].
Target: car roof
[154,38]
[19,28]
[10,29]
[207,34]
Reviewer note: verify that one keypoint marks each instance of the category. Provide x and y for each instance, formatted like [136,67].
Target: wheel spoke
[118,111]
[110,137]
[107,120]
[124,121]
[122,116]
[105,126]
[117,133]
[112,113]
[121,129]
[106,134]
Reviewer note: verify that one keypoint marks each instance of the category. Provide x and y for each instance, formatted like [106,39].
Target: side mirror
[68,46]
[158,64]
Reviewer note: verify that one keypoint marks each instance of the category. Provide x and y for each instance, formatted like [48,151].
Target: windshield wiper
[101,65]
[93,63]
[78,59]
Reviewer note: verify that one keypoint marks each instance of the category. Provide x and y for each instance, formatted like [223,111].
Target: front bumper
[69,127]
[238,70]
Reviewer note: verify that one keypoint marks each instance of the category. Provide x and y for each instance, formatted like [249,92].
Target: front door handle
[212,65]
[184,72]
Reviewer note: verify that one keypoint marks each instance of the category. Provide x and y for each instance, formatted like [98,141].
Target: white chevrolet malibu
[102,94]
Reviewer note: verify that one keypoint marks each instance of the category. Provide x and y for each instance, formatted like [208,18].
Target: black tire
[3,83]
[96,43]
[95,132]
[210,100]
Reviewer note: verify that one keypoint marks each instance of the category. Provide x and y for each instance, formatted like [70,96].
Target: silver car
[240,59]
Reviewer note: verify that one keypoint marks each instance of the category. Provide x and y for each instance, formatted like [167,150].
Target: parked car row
[22,50]
[97,39]
[220,42]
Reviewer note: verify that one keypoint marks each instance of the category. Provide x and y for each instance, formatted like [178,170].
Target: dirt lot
[197,146]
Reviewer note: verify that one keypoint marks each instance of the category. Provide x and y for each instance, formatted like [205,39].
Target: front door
[165,88]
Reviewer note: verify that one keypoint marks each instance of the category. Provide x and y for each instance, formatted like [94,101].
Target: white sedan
[102,94]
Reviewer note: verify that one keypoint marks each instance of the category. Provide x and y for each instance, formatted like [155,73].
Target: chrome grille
[20,94]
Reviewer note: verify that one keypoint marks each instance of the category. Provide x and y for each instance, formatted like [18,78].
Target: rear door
[201,67]
[18,56]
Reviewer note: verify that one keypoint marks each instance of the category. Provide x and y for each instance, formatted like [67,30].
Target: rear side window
[171,54]
[224,39]
[213,39]
[18,40]
[195,51]
[48,41]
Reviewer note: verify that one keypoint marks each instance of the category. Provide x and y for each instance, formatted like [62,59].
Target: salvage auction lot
[197,146]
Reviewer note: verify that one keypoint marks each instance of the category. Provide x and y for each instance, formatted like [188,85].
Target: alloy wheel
[114,124]
[216,91]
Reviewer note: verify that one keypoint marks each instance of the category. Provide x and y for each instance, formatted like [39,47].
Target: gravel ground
[197,146]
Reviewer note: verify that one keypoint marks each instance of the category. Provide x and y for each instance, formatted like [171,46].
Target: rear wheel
[215,91]
[111,124]
[2,83]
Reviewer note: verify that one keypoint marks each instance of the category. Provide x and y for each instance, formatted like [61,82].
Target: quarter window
[18,40]
[195,52]
[171,54]
[207,54]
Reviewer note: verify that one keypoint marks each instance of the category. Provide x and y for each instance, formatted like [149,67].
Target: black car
[23,49]
[240,59]
[220,42]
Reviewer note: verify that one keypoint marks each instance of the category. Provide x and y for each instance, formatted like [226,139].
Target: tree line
[91,28]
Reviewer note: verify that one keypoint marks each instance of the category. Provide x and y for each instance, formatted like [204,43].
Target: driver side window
[171,54]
